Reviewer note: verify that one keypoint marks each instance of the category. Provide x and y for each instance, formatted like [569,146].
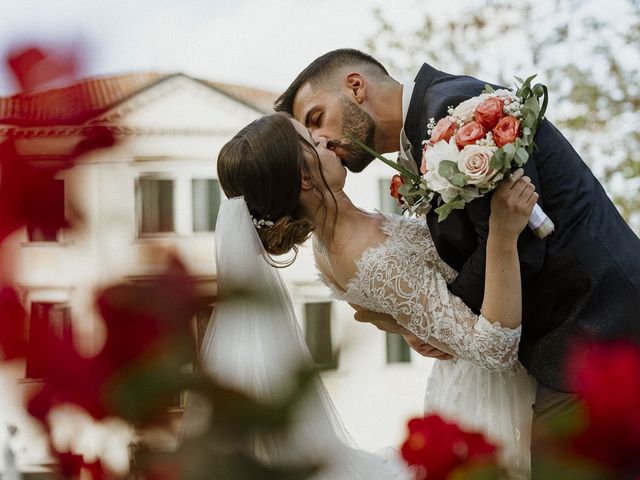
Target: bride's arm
[511,206]
[424,305]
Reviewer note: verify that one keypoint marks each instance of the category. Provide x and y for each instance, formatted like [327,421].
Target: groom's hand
[387,323]
[425,349]
[382,321]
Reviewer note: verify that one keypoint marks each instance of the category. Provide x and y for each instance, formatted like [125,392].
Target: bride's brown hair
[264,163]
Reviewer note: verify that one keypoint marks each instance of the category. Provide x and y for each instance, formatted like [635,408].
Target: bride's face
[334,171]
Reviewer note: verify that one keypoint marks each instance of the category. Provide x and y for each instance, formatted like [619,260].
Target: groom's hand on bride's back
[387,323]
[382,321]
[425,349]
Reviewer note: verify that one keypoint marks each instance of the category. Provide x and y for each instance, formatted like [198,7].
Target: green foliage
[588,59]
[445,209]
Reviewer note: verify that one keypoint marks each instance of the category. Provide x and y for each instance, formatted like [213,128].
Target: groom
[582,282]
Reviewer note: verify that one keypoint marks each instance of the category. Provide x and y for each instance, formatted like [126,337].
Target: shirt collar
[407,91]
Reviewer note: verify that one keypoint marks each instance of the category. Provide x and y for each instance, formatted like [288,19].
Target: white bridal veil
[257,347]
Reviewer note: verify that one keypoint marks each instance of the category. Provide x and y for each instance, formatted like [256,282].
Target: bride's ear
[306,183]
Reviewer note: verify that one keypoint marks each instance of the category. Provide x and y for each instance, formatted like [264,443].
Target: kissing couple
[498,307]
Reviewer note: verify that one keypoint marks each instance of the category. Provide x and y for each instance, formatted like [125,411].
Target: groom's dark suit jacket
[581,281]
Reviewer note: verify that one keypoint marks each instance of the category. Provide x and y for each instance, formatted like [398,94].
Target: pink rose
[444,129]
[506,131]
[469,134]
[489,112]
[423,167]
[474,162]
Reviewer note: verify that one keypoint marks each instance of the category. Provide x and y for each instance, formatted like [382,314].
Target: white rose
[434,155]
[441,185]
[440,151]
[466,109]
[474,161]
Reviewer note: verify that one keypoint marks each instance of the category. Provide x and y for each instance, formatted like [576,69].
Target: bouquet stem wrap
[539,223]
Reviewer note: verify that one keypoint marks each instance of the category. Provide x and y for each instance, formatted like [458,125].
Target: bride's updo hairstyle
[264,163]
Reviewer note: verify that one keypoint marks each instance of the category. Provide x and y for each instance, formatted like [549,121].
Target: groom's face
[334,117]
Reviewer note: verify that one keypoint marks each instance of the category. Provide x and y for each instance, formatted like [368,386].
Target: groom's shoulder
[443,83]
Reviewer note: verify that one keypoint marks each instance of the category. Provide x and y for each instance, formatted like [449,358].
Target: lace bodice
[405,278]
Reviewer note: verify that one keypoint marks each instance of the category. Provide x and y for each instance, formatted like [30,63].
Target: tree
[589,58]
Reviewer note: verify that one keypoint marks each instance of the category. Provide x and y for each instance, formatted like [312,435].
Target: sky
[252,42]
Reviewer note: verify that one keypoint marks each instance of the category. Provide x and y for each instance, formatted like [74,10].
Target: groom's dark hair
[322,68]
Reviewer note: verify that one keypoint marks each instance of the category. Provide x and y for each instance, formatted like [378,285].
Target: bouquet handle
[540,223]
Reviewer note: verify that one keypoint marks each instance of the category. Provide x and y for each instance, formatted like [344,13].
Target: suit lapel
[405,156]
[423,81]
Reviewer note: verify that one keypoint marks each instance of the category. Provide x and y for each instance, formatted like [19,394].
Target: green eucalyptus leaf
[448,169]
[459,179]
[525,93]
[443,211]
[497,160]
[509,150]
[532,104]
[530,119]
[521,156]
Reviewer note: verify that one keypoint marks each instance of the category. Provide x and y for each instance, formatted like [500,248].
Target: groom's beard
[359,124]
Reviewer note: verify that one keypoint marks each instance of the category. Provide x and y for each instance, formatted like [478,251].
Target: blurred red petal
[34,68]
[73,466]
[612,435]
[141,317]
[12,325]
[440,447]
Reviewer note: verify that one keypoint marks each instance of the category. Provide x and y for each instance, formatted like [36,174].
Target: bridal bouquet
[468,152]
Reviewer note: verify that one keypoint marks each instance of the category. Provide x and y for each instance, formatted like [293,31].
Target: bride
[286,186]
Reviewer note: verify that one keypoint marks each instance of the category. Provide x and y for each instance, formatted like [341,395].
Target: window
[45,223]
[201,322]
[318,334]
[155,205]
[388,204]
[206,202]
[47,321]
[397,349]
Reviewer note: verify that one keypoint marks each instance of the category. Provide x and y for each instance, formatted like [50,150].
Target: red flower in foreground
[73,466]
[12,325]
[396,183]
[607,378]
[28,190]
[440,447]
[141,320]
[69,378]
[35,68]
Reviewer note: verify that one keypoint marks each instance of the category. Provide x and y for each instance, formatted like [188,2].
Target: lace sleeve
[416,295]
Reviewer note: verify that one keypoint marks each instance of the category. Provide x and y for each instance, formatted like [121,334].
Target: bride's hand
[511,205]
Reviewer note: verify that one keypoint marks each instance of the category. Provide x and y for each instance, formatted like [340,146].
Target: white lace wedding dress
[484,388]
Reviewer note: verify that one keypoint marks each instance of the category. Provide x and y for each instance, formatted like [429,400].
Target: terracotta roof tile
[86,99]
[260,99]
